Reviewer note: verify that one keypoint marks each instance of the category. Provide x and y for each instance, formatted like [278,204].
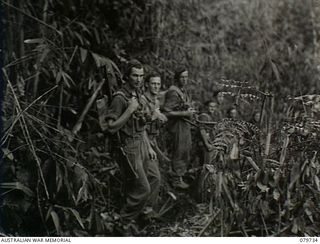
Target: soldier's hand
[152,154]
[190,112]
[133,104]
[163,118]
[160,116]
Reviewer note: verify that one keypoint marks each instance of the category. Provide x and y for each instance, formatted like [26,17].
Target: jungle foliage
[61,57]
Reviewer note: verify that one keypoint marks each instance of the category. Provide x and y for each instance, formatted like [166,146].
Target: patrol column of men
[136,117]
[212,114]
[124,116]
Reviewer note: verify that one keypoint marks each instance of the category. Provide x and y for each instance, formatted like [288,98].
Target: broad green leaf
[48,213]
[83,54]
[80,38]
[172,195]
[95,152]
[276,176]
[7,153]
[96,34]
[309,214]
[56,221]
[58,77]
[77,216]
[97,59]
[32,41]
[17,186]
[59,177]
[275,71]
[84,27]
[80,193]
[115,67]
[44,54]
[262,187]
[317,182]
[66,77]
[295,228]
[74,212]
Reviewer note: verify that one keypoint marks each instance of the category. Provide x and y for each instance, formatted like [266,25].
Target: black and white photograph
[159,118]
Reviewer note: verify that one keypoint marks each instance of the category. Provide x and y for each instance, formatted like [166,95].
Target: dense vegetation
[58,175]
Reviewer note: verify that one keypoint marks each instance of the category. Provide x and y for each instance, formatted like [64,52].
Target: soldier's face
[136,78]
[220,98]
[183,78]
[257,117]
[212,107]
[154,85]
[233,113]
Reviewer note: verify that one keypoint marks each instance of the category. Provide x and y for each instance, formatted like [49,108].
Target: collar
[150,97]
[129,92]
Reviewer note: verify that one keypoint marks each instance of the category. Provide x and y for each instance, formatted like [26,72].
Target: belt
[135,137]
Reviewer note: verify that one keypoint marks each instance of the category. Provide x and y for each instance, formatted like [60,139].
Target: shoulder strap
[120,93]
[147,98]
[144,99]
[151,104]
[178,91]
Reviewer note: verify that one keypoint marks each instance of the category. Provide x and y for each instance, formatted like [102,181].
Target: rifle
[194,121]
[197,123]
[161,156]
[123,159]
[117,148]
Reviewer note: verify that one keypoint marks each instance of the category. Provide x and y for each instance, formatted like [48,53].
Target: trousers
[181,147]
[144,190]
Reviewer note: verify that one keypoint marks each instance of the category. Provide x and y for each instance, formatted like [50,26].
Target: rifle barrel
[197,123]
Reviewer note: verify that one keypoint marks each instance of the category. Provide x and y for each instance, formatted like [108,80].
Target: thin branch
[32,17]
[264,223]
[78,125]
[208,223]
[27,134]
[60,105]
[21,112]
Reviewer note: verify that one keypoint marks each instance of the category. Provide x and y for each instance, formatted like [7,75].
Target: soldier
[233,113]
[153,85]
[255,118]
[127,115]
[177,109]
[222,103]
[212,114]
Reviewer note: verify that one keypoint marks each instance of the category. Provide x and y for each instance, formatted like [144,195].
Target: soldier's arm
[172,102]
[179,114]
[204,135]
[205,139]
[152,153]
[115,125]
[160,116]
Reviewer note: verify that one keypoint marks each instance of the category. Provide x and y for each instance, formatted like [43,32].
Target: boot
[179,183]
[148,214]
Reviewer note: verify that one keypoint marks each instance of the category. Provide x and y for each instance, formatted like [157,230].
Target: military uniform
[204,117]
[153,104]
[175,100]
[144,189]
[153,129]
